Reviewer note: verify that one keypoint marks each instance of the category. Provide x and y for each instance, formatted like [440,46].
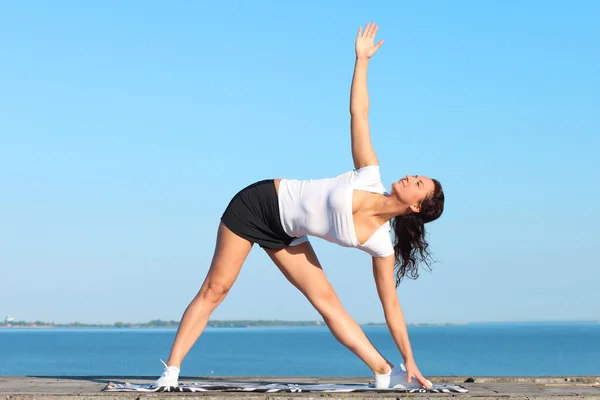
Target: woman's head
[411,190]
[423,198]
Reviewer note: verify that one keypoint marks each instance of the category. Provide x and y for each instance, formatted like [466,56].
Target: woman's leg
[230,253]
[301,267]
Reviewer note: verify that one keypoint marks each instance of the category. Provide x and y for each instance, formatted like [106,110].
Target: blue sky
[126,127]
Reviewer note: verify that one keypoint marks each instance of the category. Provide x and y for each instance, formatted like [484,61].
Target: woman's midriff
[276,181]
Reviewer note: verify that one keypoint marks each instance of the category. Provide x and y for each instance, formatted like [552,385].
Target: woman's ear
[416,208]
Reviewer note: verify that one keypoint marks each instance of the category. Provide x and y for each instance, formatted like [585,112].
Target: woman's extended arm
[383,271]
[363,153]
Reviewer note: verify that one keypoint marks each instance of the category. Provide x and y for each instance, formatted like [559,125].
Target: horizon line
[5,321]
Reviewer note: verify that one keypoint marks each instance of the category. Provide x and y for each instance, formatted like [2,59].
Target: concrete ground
[482,388]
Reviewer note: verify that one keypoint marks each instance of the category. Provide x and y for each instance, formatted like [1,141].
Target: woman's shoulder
[380,244]
[368,178]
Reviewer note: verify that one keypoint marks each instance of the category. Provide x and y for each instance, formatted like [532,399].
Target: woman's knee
[214,291]
[325,301]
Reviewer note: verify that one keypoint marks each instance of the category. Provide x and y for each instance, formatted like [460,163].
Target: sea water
[473,350]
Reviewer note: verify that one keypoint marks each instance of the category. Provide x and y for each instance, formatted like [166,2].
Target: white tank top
[323,208]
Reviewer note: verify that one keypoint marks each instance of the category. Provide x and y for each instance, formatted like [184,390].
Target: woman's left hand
[365,41]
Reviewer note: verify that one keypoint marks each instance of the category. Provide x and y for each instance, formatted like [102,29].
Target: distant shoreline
[244,324]
[174,324]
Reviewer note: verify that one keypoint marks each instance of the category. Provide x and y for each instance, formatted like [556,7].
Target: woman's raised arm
[363,153]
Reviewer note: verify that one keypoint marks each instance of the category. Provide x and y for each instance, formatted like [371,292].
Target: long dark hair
[410,245]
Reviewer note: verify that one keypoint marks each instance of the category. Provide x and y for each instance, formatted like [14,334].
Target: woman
[351,210]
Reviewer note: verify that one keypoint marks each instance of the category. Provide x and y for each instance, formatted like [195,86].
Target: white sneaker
[169,377]
[398,379]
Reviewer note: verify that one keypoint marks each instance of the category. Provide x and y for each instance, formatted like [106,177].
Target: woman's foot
[169,377]
[396,379]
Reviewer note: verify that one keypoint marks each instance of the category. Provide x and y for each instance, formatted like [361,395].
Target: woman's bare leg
[230,253]
[301,267]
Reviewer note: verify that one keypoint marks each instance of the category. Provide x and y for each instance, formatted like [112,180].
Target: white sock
[382,381]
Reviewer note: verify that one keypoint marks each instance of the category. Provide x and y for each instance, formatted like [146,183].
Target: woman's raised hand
[365,41]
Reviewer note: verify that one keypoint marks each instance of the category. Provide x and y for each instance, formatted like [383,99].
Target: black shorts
[253,214]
